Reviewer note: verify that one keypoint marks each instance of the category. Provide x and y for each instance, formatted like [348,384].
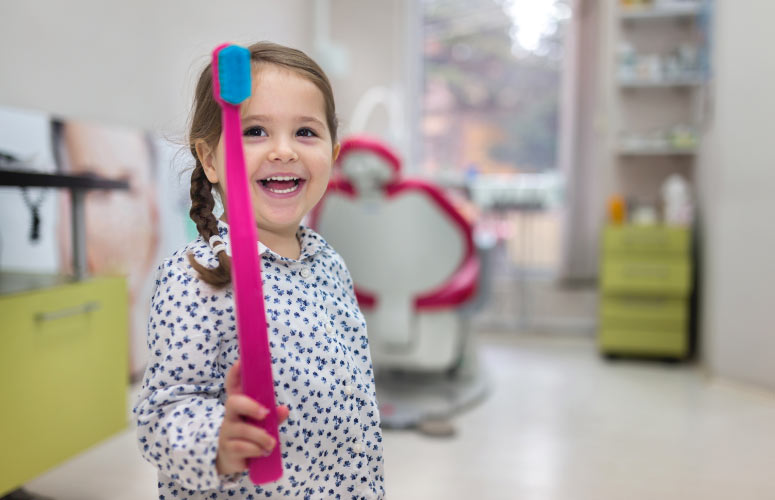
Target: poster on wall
[128,232]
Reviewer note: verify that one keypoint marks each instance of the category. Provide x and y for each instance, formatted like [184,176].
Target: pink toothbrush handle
[257,381]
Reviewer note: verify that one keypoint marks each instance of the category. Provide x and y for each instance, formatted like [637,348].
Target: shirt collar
[311,242]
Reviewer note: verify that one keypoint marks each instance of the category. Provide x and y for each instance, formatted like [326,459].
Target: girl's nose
[283,152]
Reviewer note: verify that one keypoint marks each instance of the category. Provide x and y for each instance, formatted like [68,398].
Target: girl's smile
[282,186]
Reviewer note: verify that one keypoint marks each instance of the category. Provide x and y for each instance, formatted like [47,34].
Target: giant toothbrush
[231,70]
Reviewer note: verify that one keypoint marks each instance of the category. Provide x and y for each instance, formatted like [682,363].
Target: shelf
[629,151]
[42,179]
[694,81]
[670,11]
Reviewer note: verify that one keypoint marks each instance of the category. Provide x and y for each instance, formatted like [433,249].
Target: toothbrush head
[231,64]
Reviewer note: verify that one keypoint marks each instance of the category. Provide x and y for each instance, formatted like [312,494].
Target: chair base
[407,400]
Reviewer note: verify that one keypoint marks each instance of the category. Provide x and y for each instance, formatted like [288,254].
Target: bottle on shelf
[617,210]
[678,209]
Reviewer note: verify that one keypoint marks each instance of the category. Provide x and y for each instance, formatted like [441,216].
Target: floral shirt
[331,443]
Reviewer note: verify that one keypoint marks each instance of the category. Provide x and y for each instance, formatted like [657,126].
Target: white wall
[737,179]
[128,63]
[134,63]
[377,36]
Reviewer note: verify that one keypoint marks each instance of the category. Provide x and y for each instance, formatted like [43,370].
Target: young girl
[190,411]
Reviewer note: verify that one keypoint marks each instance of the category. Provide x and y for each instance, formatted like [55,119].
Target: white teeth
[282,191]
[278,178]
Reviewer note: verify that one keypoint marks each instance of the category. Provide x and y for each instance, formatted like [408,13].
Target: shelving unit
[655,84]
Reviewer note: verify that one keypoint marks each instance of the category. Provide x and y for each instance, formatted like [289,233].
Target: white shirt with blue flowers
[331,443]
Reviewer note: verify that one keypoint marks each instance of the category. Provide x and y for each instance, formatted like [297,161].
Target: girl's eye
[254,132]
[306,132]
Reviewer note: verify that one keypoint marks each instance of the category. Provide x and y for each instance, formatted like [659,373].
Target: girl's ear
[335,155]
[206,156]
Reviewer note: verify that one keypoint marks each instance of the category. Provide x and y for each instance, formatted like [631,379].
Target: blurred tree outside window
[492,72]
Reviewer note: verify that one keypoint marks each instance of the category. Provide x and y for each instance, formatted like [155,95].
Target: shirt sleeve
[179,409]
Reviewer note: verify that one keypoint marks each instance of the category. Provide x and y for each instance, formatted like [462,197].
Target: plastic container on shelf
[628,60]
[678,209]
[683,137]
[644,215]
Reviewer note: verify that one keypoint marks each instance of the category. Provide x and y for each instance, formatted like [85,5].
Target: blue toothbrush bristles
[234,74]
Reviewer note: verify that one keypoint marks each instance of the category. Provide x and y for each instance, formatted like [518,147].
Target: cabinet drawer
[646,276]
[629,239]
[636,327]
[643,341]
[639,309]
[63,366]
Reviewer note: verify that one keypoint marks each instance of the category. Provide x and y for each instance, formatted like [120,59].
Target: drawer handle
[67,312]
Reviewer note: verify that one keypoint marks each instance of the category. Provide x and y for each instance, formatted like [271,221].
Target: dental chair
[416,271]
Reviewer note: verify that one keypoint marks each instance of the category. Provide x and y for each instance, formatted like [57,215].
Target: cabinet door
[63,366]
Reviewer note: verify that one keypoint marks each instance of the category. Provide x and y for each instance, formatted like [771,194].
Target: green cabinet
[645,286]
[63,373]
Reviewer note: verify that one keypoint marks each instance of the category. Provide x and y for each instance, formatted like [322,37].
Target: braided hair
[202,203]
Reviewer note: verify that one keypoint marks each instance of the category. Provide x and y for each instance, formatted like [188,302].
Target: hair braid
[201,213]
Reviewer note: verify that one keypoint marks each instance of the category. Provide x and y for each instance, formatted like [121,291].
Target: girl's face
[288,149]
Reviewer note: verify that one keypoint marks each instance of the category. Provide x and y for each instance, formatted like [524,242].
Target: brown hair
[206,125]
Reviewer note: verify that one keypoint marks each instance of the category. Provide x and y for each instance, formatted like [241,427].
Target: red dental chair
[415,268]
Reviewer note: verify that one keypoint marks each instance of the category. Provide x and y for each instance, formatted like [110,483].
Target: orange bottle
[617,210]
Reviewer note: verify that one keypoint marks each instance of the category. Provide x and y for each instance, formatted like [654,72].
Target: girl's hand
[239,440]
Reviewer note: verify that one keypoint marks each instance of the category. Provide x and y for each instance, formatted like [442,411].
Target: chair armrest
[455,291]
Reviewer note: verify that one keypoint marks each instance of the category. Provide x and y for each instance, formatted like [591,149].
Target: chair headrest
[367,163]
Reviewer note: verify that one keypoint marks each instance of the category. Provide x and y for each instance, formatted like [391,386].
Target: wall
[133,63]
[382,43]
[737,179]
[588,176]
[128,63]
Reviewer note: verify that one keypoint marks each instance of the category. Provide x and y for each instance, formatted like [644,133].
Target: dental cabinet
[63,353]
[646,286]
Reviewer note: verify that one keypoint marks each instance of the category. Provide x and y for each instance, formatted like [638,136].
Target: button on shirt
[331,443]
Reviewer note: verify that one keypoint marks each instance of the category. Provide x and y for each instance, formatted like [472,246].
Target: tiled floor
[560,423]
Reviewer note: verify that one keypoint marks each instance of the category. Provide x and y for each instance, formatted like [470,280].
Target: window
[492,73]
